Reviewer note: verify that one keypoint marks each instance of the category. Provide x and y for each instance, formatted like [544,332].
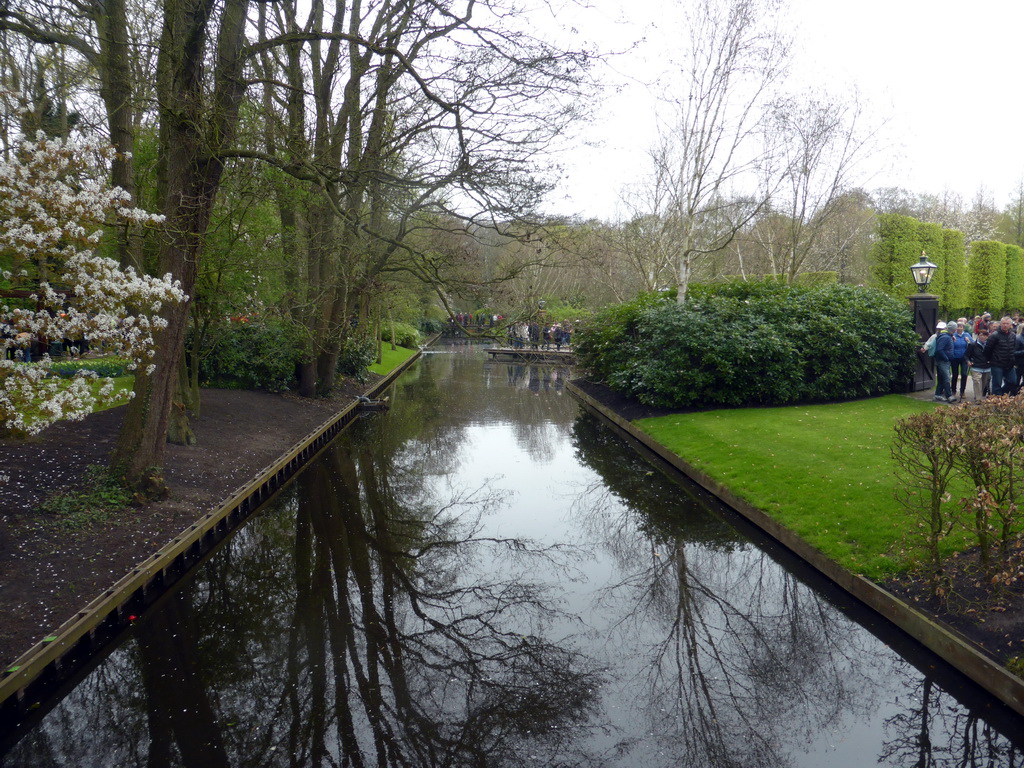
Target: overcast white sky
[946,75]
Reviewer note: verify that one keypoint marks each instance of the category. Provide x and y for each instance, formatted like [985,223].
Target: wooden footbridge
[531,354]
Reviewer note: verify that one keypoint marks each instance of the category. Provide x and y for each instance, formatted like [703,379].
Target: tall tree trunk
[116,89]
[193,132]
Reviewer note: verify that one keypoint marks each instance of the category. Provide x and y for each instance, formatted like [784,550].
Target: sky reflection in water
[487,576]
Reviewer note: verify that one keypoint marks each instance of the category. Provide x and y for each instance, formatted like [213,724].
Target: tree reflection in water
[932,730]
[739,663]
[431,663]
[375,616]
[376,640]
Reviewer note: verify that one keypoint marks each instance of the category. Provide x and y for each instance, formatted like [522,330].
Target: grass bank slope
[391,359]
[823,471]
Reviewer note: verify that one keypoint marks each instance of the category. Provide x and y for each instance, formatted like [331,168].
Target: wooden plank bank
[56,659]
[935,635]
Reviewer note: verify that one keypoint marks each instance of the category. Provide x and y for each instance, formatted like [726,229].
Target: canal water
[486,575]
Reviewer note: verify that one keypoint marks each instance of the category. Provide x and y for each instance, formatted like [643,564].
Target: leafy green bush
[355,357]
[260,354]
[111,367]
[752,343]
[403,334]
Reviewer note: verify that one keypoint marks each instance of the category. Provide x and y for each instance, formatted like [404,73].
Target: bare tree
[821,143]
[411,124]
[733,59]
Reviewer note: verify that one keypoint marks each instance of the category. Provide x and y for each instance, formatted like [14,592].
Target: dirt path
[47,572]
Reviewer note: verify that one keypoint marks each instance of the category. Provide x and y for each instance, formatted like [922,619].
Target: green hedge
[1014,291]
[932,242]
[897,248]
[751,344]
[954,283]
[108,367]
[986,284]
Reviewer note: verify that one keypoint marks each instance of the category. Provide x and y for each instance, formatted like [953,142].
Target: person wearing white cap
[943,354]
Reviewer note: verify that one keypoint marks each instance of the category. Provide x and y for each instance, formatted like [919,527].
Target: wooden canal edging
[531,355]
[934,634]
[53,660]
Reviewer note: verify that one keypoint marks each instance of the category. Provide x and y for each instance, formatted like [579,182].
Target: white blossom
[53,207]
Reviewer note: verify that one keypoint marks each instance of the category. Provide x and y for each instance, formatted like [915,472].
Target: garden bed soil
[49,570]
[990,615]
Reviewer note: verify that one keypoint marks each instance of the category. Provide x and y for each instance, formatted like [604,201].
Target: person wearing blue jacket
[958,361]
[943,356]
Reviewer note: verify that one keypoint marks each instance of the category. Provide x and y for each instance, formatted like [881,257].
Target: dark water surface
[486,576]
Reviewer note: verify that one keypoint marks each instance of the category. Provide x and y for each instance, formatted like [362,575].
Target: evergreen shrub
[405,335]
[752,344]
[954,284]
[986,272]
[355,356]
[1013,296]
[260,354]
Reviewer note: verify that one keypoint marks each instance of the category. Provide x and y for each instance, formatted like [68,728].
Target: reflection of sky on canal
[712,652]
[808,686]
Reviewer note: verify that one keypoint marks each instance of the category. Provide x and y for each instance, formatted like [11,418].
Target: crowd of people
[538,335]
[479,319]
[989,352]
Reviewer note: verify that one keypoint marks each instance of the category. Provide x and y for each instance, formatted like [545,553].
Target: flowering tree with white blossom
[54,208]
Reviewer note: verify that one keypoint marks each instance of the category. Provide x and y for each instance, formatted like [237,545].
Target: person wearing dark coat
[1000,349]
[981,369]
[943,356]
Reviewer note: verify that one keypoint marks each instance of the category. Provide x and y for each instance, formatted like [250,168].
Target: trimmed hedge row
[752,344]
[991,279]
[987,278]
[106,367]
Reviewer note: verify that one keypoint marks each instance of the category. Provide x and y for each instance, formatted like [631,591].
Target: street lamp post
[922,273]
[926,314]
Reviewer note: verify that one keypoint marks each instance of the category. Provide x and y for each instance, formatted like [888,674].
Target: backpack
[930,345]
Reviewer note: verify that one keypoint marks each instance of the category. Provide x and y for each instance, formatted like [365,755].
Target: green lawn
[391,359]
[824,471]
[122,387]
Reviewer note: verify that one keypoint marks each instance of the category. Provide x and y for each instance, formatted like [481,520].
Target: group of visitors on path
[990,352]
[479,319]
[537,335]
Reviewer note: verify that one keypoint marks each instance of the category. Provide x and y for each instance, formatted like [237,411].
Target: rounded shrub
[260,354]
[355,356]
[752,344]
[403,334]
